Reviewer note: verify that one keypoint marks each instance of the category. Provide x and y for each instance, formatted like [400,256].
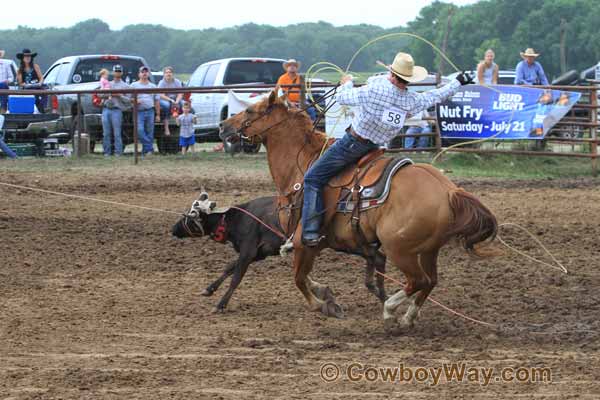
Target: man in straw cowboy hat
[529,71]
[381,107]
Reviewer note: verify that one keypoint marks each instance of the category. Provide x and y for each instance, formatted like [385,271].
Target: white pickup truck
[211,108]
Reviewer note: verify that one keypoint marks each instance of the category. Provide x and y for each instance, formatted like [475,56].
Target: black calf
[251,239]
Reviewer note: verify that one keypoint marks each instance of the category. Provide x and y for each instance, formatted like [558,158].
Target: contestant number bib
[394,117]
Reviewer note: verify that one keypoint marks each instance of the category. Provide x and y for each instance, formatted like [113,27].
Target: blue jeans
[312,113]
[344,151]
[145,124]
[112,123]
[3,98]
[422,141]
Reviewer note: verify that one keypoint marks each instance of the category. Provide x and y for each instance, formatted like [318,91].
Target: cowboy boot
[311,217]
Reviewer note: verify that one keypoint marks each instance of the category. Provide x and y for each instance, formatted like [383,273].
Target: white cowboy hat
[291,61]
[529,53]
[404,67]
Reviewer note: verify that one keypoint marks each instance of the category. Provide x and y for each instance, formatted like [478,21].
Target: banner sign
[505,112]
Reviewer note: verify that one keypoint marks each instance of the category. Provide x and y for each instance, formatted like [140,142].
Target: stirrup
[311,242]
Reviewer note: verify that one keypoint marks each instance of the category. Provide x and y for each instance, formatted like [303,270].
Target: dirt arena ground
[100,301]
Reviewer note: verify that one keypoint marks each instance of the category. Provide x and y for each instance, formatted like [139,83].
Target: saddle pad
[376,194]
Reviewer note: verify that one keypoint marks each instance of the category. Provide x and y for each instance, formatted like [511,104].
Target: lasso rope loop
[322,66]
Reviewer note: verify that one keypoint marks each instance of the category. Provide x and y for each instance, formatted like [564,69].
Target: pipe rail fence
[576,136]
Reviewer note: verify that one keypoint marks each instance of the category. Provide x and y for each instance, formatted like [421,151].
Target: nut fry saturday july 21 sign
[506,112]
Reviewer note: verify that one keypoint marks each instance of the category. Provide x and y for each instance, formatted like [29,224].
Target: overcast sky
[218,14]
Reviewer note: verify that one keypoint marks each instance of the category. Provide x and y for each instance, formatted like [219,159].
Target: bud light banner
[505,112]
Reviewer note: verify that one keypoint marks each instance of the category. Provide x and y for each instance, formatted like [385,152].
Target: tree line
[507,26]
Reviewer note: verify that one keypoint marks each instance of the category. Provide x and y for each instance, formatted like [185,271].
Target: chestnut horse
[423,211]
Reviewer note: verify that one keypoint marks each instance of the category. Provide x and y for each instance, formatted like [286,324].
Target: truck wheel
[168,144]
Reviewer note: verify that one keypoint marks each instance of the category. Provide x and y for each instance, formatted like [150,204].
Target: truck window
[63,74]
[88,68]
[211,75]
[253,71]
[52,74]
[198,76]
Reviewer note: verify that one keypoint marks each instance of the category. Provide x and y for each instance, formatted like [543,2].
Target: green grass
[513,167]
[455,165]
[183,77]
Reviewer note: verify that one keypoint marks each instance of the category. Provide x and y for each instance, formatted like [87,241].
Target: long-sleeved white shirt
[382,108]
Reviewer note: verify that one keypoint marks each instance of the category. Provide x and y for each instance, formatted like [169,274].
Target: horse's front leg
[303,263]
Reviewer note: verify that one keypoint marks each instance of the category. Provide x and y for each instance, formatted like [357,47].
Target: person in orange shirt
[291,77]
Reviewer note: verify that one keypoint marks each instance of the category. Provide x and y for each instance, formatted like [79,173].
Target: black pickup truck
[81,73]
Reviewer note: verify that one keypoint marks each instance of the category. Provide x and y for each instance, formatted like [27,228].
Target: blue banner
[505,112]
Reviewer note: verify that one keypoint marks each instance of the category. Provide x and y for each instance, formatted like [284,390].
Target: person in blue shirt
[529,71]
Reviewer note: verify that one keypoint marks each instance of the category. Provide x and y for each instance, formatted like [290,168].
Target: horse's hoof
[392,327]
[332,309]
[206,293]
[324,293]
[218,310]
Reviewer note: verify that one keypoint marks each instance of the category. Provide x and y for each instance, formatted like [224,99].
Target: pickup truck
[211,108]
[81,73]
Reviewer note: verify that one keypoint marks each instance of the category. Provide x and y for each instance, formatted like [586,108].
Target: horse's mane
[302,122]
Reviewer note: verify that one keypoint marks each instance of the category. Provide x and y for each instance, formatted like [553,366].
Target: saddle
[366,184]
[362,186]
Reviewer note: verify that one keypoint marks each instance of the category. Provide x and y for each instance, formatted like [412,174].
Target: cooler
[21,104]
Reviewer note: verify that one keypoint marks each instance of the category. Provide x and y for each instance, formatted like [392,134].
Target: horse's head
[258,120]
[196,222]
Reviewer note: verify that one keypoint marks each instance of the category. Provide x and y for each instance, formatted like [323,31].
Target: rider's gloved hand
[464,78]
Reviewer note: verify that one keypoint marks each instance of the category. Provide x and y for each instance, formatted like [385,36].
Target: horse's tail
[473,222]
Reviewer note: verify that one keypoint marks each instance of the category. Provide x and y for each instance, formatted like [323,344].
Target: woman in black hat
[29,73]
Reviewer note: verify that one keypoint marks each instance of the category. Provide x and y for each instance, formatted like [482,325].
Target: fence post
[135,129]
[594,130]
[80,125]
[437,137]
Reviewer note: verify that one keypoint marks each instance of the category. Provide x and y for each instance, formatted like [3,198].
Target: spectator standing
[169,100]
[6,78]
[529,71]
[487,70]
[186,123]
[112,114]
[148,111]
[29,73]
[418,124]
[291,77]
